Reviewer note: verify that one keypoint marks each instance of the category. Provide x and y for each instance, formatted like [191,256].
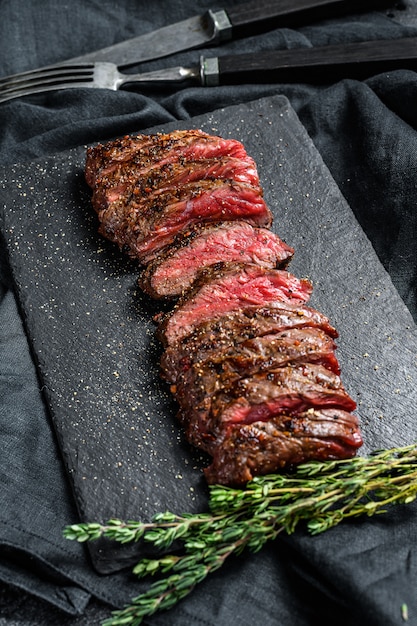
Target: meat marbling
[172,273]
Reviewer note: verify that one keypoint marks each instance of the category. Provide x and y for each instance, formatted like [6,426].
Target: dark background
[374,168]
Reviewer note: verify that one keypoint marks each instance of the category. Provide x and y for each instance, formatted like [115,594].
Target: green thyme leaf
[318,494]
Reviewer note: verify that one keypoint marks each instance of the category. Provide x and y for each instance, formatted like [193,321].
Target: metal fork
[98,75]
[323,64]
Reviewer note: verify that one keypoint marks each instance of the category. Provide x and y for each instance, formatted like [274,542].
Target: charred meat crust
[290,389]
[251,366]
[148,183]
[219,367]
[224,332]
[221,370]
[247,450]
[143,229]
[104,160]
[148,189]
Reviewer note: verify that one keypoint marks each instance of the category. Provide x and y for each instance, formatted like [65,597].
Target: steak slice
[172,273]
[218,292]
[138,182]
[221,369]
[229,330]
[247,450]
[149,188]
[107,160]
[290,389]
[142,229]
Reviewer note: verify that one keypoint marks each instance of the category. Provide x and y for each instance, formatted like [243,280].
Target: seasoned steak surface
[259,397]
[244,451]
[251,366]
[226,331]
[225,290]
[149,189]
[204,245]
[219,369]
[147,150]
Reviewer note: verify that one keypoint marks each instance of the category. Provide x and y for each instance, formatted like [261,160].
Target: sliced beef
[142,229]
[216,335]
[111,159]
[293,388]
[172,273]
[147,184]
[219,292]
[252,367]
[290,389]
[148,189]
[221,369]
[243,451]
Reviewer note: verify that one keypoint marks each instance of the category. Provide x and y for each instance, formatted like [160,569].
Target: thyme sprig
[320,494]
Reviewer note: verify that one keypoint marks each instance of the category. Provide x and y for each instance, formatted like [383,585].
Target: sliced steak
[220,292]
[221,369]
[252,368]
[148,183]
[142,229]
[105,161]
[229,330]
[247,450]
[172,273]
[290,389]
[216,335]
[147,189]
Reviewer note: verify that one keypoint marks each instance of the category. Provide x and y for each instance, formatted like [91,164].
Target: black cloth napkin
[360,573]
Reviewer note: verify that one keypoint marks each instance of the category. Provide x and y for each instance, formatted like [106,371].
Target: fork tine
[46,72]
[46,75]
[19,93]
[49,79]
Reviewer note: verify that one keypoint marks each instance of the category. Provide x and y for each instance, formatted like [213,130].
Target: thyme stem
[320,494]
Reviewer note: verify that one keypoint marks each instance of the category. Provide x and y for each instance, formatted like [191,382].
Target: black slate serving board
[92,334]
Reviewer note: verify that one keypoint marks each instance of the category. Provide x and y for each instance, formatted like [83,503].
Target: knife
[215,27]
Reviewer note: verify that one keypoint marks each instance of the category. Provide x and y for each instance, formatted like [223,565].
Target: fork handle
[312,65]
[287,13]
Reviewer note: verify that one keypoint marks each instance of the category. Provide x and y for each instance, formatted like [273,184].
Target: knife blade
[214,27]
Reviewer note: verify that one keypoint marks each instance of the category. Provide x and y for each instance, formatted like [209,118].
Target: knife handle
[319,65]
[278,13]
